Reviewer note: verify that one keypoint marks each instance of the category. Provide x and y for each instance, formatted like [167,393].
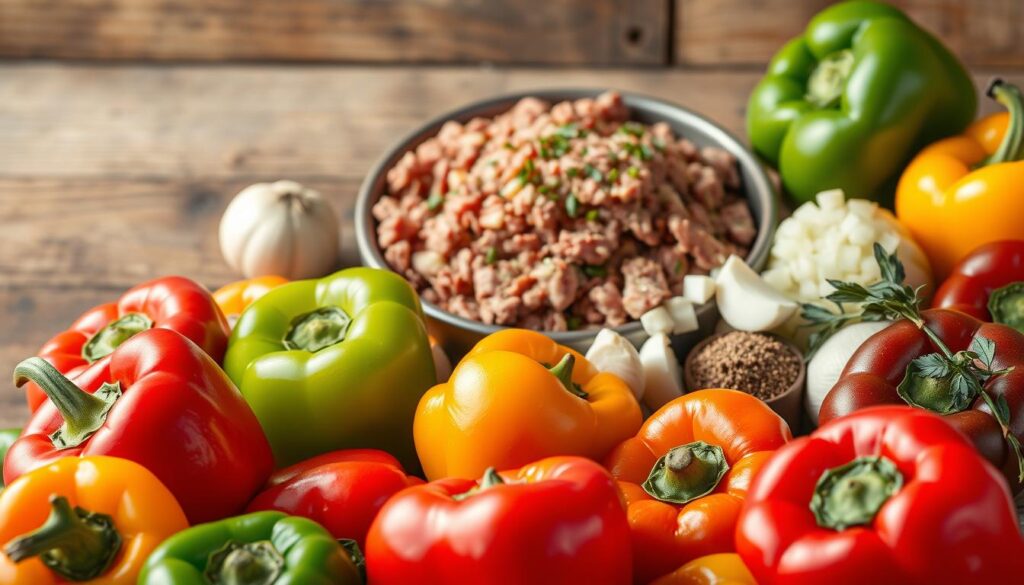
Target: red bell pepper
[172,302]
[162,402]
[341,490]
[559,520]
[876,371]
[988,284]
[886,495]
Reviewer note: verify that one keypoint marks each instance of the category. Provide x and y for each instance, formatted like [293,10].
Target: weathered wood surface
[748,32]
[604,32]
[113,175]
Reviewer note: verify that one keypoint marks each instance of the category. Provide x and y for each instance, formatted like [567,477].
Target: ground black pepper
[754,363]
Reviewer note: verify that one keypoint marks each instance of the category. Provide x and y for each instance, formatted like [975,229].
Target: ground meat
[555,216]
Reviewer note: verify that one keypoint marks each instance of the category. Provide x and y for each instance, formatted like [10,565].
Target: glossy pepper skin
[665,532]
[263,547]
[172,302]
[875,370]
[967,190]
[358,364]
[716,569]
[341,490]
[847,104]
[931,511]
[141,510]
[989,268]
[504,407]
[7,438]
[524,526]
[233,298]
[177,414]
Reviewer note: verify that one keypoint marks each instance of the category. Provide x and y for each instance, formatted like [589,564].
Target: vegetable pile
[315,431]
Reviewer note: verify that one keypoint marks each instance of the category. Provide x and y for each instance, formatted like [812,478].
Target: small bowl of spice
[760,364]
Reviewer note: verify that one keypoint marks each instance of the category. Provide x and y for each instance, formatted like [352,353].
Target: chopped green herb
[633,172]
[592,172]
[632,129]
[570,130]
[492,255]
[509,146]
[573,322]
[584,151]
[658,143]
[613,175]
[678,267]
[528,165]
[572,205]
[595,271]
[572,172]
[435,201]
[592,215]
[645,152]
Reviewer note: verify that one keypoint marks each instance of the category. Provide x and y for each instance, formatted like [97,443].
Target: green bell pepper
[7,438]
[262,548]
[849,103]
[335,363]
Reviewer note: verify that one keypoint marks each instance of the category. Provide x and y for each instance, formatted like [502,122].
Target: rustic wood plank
[601,32]
[748,32]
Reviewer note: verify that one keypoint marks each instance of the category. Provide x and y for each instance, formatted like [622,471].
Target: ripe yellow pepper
[233,298]
[98,518]
[965,191]
[718,569]
[518,397]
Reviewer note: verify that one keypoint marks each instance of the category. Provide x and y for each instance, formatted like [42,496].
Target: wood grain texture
[602,32]
[113,175]
[748,32]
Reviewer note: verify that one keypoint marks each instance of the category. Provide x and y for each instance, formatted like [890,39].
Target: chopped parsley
[592,172]
[595,271]
[633,172]
[572,205]
[435,201]
[592,215]
[613,175]
[632,129]
[492,255]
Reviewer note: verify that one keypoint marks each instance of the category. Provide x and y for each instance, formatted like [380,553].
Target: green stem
[852,494]
[106,340]
[249,563]
[1012,146]
[317,329]
[1004,425]
[491,478]
[563,371]
[83,413]
[686,473]
[74,543]
[827,81]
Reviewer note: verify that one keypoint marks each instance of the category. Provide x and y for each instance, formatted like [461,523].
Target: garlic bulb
[279,228]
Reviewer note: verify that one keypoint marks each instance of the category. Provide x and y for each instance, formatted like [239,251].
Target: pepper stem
[490,479]
[1006,305]
[249,563]
[563,371]
[106,340]
[686,473]
[1012,146]
[83,413]
[826,83]
[76,544]
[317,329]
[852,494]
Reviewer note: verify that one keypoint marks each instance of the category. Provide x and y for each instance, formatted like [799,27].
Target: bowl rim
[371,254]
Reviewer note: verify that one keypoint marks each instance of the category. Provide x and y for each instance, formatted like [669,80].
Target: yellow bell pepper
[233,298]
[718,569]
[518,397]
[89,520]
[965,191]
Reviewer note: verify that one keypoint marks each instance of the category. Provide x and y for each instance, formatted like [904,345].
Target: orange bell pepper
[518,397]
[965,191]
[97,517]
[234,297]
[685,475]
[717,569]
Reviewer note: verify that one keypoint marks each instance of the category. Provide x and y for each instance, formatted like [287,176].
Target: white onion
[826,365]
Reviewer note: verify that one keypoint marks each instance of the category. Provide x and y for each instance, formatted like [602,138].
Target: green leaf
[963,388]
[985,349]
[933,365]
[889,265]
[814,313]
[593,173]
[1002,410]
[492,255]
[572,205]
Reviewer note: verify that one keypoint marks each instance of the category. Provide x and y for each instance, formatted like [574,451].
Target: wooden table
[111,175]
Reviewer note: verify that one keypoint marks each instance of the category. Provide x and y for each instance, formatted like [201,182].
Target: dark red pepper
[877,368]
[172,302]
[341,490]
[158,400]
[988,284]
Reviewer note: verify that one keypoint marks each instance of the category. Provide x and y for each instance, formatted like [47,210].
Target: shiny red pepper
[557,521]
[875,370]
[172,302]
[341,490]
[988,284]
[885,495]
[161,401]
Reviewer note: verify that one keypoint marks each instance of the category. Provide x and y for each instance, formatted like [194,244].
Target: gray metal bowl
[457,334]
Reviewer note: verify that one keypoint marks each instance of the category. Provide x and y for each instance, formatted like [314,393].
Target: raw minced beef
[560,216]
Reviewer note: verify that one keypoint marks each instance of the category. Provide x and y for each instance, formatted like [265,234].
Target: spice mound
[752,362]
[560,216]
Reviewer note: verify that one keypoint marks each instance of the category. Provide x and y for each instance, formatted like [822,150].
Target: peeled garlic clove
[613,353]
[684,316]
[663,380]
[657,320]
